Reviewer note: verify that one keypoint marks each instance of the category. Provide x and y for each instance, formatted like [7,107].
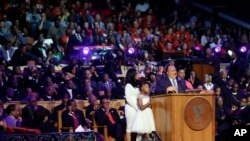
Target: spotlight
[243,49]
[197,48]
[131,50]
[85,51]
[217,49]
[230,52]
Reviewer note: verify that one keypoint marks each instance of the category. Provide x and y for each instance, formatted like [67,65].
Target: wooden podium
[184,117]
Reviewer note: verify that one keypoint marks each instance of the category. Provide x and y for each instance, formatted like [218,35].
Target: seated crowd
[122,26]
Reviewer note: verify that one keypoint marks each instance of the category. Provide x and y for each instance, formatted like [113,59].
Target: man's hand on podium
[171,89]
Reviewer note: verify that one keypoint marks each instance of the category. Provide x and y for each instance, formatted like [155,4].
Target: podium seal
[198,113]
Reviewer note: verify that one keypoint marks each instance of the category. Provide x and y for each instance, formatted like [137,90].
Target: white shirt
[209,86]
[70,93]
[78,36]
[174,83]
[8,55]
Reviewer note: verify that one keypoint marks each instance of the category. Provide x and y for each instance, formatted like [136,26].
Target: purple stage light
[230,52]
[131,50]
[85,51]
[217,49]
[243,49]
[197,48]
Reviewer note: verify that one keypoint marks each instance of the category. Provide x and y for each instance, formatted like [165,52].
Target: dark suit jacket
[56,109]
[89,109]
[237,69]
[67,119]
[20,59]
[75,93]
[242,115]
[3,53]
[45,98]
[102,119]
[164,82]
[28,113]
[73,41]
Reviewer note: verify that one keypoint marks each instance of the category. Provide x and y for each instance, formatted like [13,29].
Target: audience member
[73,117]
[28,112]
[108,116]
[12,118]
[131,93]
[169,83]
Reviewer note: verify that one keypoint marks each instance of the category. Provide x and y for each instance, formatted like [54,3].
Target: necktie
[75,120]
[110,118]
[175,85]
[79,37]
[8,55]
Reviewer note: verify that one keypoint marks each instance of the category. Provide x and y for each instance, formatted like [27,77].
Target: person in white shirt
[208,85]
[131,94]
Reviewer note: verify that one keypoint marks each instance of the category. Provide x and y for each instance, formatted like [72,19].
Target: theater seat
[60,127]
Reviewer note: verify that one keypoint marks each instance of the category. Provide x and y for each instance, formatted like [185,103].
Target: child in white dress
[144,120]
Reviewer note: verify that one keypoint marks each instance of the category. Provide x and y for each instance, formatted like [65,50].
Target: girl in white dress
[144,120]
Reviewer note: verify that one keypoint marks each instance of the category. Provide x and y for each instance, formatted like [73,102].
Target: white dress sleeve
[131,96]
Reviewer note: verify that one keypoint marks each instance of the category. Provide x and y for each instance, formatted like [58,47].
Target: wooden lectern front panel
[184,117]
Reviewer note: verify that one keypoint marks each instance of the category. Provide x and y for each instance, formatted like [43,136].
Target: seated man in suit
[73,117]
[59,107]
[108,116]
[92,107]
[169,84]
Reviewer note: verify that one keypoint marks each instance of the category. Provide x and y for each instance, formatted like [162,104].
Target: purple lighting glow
[131,50]
[85,50]
[198,48]
[243,49]
[217,49]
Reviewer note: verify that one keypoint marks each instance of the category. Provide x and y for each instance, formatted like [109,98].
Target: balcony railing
[82,136]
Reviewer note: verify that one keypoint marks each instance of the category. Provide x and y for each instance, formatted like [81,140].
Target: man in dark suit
[109,116]
[49,94]
[7,51]
[77,39]
[237,67]
[28,112]
[107,85]
[73,117]
[93,106]
[59,107]
[71,90]
[169,84]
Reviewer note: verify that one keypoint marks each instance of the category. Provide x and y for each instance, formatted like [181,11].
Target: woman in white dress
[144,122]
[131,94]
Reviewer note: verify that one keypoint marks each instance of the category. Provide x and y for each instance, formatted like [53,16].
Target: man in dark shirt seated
[107,116]
[92,107]
[73,117]
[59,107]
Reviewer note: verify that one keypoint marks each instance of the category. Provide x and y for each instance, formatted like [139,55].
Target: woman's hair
[10,108]
[130,77]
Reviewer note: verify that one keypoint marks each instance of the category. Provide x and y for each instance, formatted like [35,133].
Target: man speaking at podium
[168,83]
